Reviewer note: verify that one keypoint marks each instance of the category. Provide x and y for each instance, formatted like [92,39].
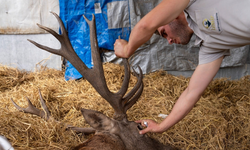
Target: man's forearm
[161,15]
[199,81]
[139,35]
[183,106]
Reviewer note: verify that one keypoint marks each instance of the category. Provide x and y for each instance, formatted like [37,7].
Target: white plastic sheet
[4,144]
[21,16]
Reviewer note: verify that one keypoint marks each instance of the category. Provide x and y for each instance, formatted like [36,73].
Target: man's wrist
[162,127]
[126,51]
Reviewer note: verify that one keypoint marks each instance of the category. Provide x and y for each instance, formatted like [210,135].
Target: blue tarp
[71,12]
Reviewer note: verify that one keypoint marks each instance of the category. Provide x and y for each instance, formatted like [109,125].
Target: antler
[95,76]
[33,110]
[45,114]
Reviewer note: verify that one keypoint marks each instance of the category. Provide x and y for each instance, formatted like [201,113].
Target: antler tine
[45,108]
[97,62]
[51,50]
[136,87]
[62,27]
[18,107]
[81,130]
[125,83]
[134,99]
[100,87]
[136,96]
[55,34]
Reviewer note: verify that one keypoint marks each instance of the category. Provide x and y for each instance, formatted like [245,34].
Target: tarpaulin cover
[112,20]
[157,54]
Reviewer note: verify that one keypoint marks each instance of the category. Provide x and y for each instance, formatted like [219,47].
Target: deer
[116,133]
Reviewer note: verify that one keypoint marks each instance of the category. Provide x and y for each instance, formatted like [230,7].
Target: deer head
[110,133]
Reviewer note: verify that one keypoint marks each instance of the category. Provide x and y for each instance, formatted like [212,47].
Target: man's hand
[151,126]
[121,48]
[199,81]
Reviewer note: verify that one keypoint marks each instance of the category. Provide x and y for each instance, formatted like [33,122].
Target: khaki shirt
[219,25]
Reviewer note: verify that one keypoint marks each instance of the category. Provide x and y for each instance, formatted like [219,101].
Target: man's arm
[161,15]
[199,81]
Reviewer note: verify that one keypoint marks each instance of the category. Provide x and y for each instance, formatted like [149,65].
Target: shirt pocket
[209,21]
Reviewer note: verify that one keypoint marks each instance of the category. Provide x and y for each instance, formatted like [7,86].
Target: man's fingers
[144,123]
[144,131]
[138,121]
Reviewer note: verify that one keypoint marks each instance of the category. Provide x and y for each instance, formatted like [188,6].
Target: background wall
[18,19]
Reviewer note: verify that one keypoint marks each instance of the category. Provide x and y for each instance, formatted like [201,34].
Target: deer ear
[97,120]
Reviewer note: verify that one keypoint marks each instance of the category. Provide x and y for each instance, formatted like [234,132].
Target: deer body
[119,135]
[104,141]
[115,133]
[107,141]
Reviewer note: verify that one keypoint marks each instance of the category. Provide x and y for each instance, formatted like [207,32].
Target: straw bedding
[220,120]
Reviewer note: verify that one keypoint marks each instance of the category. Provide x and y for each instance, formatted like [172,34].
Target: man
[218,25]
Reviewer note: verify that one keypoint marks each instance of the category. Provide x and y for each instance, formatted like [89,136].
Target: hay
[220,120]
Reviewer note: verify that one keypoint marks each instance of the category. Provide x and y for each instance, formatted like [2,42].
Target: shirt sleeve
[207,55]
